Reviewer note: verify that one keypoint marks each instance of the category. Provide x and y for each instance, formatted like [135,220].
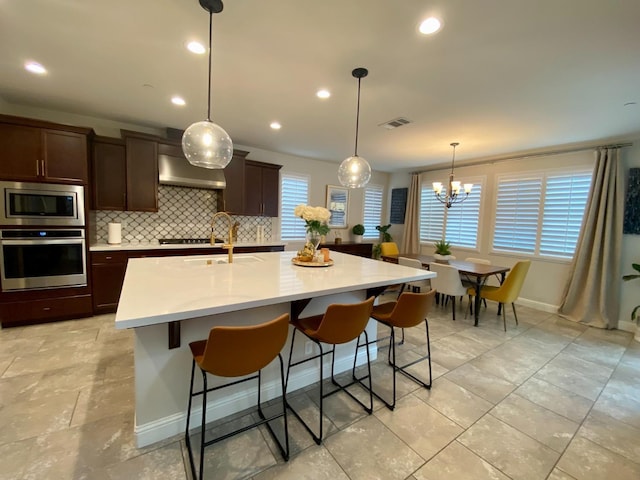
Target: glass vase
[314,239]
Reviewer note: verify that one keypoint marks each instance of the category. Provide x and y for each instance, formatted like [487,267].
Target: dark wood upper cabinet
[231,199]
[142,174]
[253,188]
[30,152]
[109,174]
[65,156]
[125,174]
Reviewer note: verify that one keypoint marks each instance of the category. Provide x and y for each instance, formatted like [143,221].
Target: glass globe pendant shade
[207,145]
[354,172]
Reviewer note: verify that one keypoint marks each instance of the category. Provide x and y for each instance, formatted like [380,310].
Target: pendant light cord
[357,119]
[453,158]
[209,85]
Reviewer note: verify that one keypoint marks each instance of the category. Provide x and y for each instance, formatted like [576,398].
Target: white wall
[630,294]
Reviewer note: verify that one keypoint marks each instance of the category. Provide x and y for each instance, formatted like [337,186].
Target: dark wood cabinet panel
[252,189]
[270,191]
[45,310]
[109,174]
[231,199]
[107,276]
[352,248]
[37,154]
[65,156]
[142,174]
[19,152]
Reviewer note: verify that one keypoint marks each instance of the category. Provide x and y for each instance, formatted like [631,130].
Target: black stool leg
[204,421]
[187,440]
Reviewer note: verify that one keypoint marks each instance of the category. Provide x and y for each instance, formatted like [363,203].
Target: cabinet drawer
[35,311]
[109,257]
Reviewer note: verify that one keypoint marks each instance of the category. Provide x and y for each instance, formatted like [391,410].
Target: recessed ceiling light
[178,101]
[429,26]
[323,93]
[196,47]
[35,67]
[275,125]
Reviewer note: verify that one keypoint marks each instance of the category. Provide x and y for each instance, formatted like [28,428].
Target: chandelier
[206,144]
[451,194]
[355,172]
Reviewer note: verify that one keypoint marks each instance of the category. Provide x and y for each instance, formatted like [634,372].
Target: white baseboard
[544,307]
[173,425]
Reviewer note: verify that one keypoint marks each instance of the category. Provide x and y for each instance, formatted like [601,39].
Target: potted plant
[385,236]
[443,251]
[626,278]
[358,231]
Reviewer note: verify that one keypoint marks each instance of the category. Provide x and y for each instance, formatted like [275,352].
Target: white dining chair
[420,285]
[447,282]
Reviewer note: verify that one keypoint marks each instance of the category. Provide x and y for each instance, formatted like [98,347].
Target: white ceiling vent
[395,123]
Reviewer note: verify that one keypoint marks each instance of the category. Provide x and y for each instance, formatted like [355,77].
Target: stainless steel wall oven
[39,258]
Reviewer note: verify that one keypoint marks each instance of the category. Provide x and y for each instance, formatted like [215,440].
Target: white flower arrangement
[316,218]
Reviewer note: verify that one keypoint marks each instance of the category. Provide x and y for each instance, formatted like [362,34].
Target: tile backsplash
[182,213]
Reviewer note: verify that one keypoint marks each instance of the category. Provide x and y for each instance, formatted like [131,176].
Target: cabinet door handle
[108,258]
[46,309]
[37,168]
[42,169]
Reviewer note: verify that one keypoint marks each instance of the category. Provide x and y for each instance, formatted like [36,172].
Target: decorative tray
[295,261]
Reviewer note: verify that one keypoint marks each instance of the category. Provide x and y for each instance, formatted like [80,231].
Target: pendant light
[206,144]
[355,172]
[451,195]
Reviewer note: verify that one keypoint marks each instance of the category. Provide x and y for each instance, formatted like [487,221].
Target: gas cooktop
[186,241]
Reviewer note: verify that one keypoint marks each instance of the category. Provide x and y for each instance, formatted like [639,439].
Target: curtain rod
[440,166]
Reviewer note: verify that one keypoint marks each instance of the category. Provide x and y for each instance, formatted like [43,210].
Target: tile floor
[547,399]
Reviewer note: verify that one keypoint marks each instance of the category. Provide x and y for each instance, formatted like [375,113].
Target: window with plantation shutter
[517,212]
[431,216]
[372,210]
[462,220]
[564,203]
[541,214]
[458,223]
[294,190]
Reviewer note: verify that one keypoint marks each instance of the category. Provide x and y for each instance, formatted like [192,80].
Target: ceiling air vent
[395,123]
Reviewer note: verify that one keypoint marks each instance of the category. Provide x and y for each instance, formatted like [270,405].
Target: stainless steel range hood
[176,170]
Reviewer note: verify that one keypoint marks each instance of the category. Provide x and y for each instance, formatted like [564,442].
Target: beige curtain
[411,237]
[592,292]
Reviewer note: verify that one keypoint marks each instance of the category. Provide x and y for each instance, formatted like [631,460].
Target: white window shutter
[294,190]
[372,214]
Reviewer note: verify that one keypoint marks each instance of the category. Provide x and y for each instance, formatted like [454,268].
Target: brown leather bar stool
[236,352]
[341,323]
[408,311]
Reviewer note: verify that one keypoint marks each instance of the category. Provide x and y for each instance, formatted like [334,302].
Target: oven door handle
[48,241]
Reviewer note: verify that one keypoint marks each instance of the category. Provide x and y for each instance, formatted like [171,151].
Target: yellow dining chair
[389,248]
[509,291]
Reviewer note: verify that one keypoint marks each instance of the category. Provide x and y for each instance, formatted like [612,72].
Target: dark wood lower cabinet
[108,269]
[352,248]
[13,314]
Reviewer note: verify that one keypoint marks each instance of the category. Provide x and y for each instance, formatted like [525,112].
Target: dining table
[478,271]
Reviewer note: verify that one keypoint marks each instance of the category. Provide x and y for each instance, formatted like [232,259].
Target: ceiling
[501,77]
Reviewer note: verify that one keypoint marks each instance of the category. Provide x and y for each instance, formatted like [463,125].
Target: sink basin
[221,259]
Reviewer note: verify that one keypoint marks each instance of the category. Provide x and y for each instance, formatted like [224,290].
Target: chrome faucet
[228,246]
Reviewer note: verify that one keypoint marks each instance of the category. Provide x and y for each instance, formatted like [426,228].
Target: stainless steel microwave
[42,204]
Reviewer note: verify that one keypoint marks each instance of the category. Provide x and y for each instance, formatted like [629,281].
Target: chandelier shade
[206,144]
[451,193]
[355,171]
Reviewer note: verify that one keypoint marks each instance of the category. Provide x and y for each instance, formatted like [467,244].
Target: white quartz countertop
[165,289]
[106,247]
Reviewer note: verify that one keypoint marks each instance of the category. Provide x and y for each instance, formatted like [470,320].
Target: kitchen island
[203,291]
